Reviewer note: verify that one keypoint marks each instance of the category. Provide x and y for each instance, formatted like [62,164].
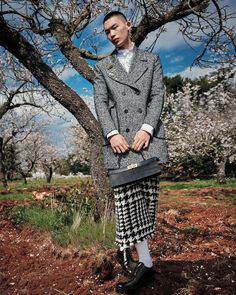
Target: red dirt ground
[194,252]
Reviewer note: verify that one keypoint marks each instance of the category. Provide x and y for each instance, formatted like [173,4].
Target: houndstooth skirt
[135,209]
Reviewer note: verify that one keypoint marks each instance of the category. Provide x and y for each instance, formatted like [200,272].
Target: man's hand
[141,140]
[118,143]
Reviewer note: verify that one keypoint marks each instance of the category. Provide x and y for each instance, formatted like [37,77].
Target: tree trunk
[220,164]
[99,176]
[3,178]
[49,174]
[23,176]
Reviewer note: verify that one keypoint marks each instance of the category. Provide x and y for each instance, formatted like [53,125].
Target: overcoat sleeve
[101,102]
[156,98]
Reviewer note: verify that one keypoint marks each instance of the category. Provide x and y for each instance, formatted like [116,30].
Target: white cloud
[169,40]
[67,73]
[193,72]
[176,59]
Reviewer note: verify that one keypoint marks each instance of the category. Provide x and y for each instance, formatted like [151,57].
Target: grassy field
[198,184]
[19,191]
[69,213]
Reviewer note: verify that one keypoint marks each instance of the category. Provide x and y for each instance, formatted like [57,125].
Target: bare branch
[175,13]
[75,25]
[197,59]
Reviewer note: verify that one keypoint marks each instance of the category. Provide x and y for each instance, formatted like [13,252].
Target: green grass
[191,230]
[231,198]
[59,225]
[198,184]
[16,196]
[39,183]
[20,191]
[38,216]
[90,234]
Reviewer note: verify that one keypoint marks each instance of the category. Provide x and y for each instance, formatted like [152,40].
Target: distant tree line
[177,82]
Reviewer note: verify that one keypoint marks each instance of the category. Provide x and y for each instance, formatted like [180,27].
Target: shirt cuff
[148,128]
[113,132]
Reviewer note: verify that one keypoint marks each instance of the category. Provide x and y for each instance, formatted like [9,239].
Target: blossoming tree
[204,124]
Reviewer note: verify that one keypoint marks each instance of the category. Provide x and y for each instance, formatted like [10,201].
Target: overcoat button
[126,111]
[127,130]
[140,110]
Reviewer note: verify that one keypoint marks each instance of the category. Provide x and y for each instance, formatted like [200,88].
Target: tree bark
[24,177]
[3,178]
[220,164]
[100,180]
[49,174]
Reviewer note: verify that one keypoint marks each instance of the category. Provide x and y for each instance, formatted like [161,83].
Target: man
[128,94]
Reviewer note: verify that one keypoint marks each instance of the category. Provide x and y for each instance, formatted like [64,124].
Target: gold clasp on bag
[132,166]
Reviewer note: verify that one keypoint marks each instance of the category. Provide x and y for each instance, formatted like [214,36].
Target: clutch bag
[134,172]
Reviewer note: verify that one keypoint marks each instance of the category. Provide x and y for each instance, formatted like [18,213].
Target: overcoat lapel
[138,67]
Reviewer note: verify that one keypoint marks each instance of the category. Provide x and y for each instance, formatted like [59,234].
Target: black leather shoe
[126,261]
[142,276]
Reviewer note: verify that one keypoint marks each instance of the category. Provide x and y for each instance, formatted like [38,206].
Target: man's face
[117,31]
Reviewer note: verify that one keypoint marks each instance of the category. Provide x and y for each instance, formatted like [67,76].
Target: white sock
[144,254]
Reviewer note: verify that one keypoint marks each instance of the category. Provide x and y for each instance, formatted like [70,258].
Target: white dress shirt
[125,57]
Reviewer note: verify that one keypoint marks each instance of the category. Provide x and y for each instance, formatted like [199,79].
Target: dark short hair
[114,13]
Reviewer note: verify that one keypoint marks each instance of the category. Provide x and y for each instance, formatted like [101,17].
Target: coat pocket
[109,157]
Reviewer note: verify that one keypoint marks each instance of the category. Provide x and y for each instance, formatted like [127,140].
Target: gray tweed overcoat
[124,101]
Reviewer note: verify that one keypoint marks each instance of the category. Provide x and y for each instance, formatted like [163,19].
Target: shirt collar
[125,51]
